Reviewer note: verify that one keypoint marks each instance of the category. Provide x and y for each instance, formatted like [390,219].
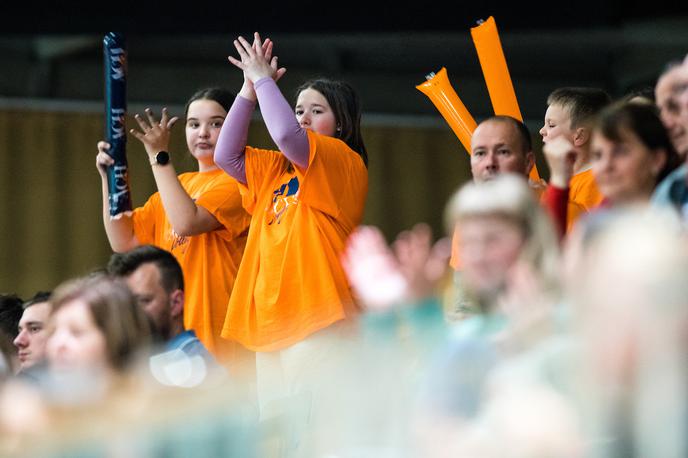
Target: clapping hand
[373,270]
[422,262]
[407,272]
[256,60]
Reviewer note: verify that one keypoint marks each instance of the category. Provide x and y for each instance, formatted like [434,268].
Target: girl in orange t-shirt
[197,216]
[305,200]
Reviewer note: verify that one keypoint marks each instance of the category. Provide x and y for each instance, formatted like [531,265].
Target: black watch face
[162,158]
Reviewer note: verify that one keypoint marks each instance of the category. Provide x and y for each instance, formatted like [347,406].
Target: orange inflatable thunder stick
[496,73]
[497,79]
[450,106]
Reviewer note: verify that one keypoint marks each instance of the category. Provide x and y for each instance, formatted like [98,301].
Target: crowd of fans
[246,311]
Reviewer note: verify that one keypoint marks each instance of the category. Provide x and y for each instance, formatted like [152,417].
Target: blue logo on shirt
[283,197]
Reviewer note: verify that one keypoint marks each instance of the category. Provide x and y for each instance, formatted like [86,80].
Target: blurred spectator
[508,248]
[643,96]
[8,357]
[632,154]
[98,330]
[630,299]
[155,277]
[33,333]
[667,90]
[10,313]
[673,190]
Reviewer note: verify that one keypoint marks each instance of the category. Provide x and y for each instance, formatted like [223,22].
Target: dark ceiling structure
[384,50]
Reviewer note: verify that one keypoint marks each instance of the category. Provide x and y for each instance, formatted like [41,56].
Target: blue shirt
[190,344]
[673,191]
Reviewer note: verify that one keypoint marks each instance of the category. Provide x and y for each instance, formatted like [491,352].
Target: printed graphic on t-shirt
[283,197]
[179,240]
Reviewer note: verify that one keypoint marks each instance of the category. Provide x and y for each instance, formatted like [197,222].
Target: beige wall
[50,202]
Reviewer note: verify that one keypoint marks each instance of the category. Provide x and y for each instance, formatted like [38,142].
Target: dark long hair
[643,121]
[217,94]
[347,111]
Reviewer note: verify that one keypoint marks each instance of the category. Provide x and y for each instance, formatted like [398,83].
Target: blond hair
[509,196]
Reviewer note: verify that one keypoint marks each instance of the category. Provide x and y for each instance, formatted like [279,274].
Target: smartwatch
[161,158]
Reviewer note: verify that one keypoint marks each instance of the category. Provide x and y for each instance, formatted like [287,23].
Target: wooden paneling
[50,203]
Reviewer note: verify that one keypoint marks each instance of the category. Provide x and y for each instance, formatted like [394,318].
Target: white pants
[290,382]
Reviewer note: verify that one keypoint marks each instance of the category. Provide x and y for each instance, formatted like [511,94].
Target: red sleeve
[555,200]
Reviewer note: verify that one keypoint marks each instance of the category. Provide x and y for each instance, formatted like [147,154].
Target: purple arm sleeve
[285,131]
[230,151]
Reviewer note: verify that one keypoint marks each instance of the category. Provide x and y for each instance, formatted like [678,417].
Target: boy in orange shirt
[570,114]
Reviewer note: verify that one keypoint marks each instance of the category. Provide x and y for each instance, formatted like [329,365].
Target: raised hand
[103,159]
[372,269]
[422,263]
[154,135]
[561,157]
[267,46]
[256,60]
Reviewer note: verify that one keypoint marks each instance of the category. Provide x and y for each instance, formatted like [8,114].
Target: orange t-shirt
[584,190]
[210,260]
[291,282]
